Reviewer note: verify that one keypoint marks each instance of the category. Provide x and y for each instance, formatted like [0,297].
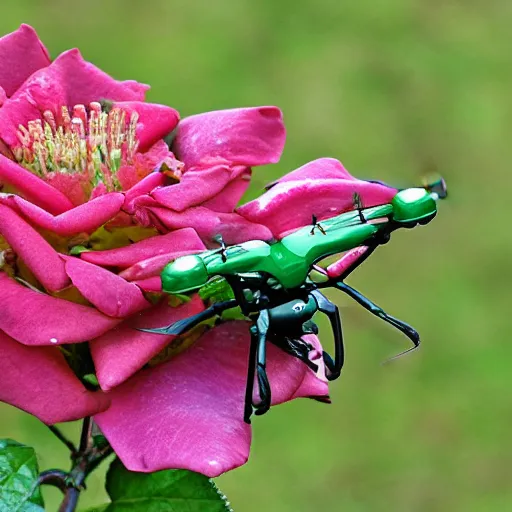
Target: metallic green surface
[290,259]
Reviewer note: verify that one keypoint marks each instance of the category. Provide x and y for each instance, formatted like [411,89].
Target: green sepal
[19,471]
[173,489]
[78,249]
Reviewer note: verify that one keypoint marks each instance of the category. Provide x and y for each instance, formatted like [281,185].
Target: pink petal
[227,199]
[151,284]
[194,405]
[121,352]
[84,218]
[155,121]
[290,205]
[195,187]
[246,136]
[143,187]
[21,54]
[3,96]
[31,187]
[152,266]
[33,249]
[183,240]
[34,318]
[69,80]
[322,168]
[39,381]
[111,294]
[233,227]
[340,266]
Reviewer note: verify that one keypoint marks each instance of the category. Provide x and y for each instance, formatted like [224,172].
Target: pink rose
[93,204]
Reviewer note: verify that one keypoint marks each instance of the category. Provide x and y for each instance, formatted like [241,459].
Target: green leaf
[18,478]
[172,490]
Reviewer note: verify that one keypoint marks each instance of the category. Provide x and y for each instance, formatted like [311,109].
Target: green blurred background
[393,88]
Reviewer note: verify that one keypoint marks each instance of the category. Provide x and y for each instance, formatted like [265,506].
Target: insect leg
[262,325]
[250,375]
[186,324]
[406,329]
[331,310]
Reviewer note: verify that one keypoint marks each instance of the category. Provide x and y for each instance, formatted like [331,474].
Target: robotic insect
[272,284]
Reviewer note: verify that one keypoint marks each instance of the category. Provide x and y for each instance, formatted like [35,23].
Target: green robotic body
[290,259]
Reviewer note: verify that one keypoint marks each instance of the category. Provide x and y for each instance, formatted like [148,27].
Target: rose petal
[227,199]
[291,205]
[151,284]
[143,187]
[32,187]
[194,405]
[21,54]
[152,266]
[246,136]
[337,268]
[322,168]
[233,227]
[33,249]
[39,381]
[182,240]
[34,318]
[84,218]
[111,294]
[155,121]
[69,80]
[195,187]
[121,352]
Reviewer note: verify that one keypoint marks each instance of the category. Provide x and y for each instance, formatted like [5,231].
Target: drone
[272,282]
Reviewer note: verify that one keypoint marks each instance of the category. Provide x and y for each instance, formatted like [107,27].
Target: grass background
[393,88]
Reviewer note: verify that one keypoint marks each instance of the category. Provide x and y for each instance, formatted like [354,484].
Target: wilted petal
[121,352]
[155,121]
[245,136]
[292,204]
[84,218]
[21,54]
[32,187]
[322,168]
[111,294]
[39,381]
[233,227]
[182,240]
[69,80]
[34,318]
[194,405]
[33,249]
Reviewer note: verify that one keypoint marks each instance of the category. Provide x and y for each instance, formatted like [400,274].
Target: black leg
[332,312]
[186,324]
[406,329]
[250,374]
[262,325]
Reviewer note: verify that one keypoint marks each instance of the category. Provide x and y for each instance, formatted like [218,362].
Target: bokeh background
[395,89]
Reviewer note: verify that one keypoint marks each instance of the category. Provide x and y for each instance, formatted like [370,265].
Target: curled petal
[227,199]
[111,294]
[337,268]
[33,249]
[34,318]
[321,168]
[290,205]
[39,381]
[194,405]
[154,123]
[245,136]
[185,239]
[233,227]
[84,218]
[150,284]
[32,187]
[69,80]
[21,54]
[143,187]
[121,352]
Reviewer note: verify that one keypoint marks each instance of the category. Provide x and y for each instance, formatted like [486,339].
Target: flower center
[93,143]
